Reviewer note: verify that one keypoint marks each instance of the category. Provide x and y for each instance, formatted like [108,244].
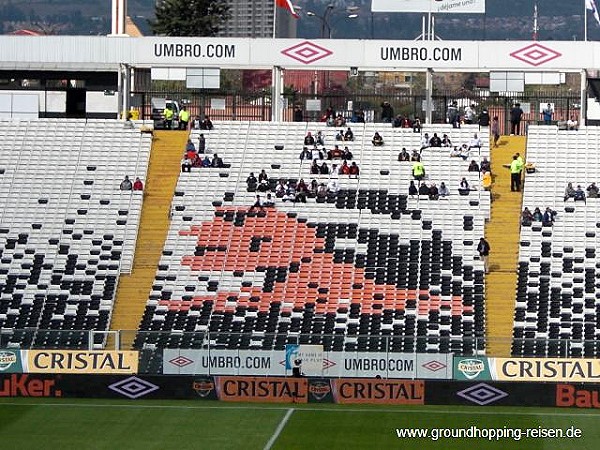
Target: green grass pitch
[103,424]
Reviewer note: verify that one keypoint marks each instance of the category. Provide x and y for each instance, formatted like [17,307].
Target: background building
[255,19]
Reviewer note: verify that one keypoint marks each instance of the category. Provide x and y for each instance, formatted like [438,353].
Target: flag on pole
[287,4]
[591,5]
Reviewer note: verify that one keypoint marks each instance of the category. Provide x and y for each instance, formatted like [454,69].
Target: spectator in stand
[461,152]
[592,190]
[126,184]
[569,191]
[206,162]
[322,191]
[443,190]
[251,182]
[320,139]
[332,186]
[280,189]
[339,136]
[339,121]
[262,176]
[196,123]
[470,114]
[418,170]
[306,154]
[526,217]
[138,185]
[269,202]
[186,164]
[464,187]
[344,169]
[434,193]
[189,146]
[475,142]
[309,140]
[572,124]
[298,114]
[324,169]
[424,189]
[201,143]
[515,119]
[336,153]
[485,165]
[257,204]
[314,168]
[347,155]
[415,156]
[548,217]
[290,192]
[473,167]
[495,130]
[435,141]
[446,142]
[377,140]
[452,115]
[412,189]
[387,112]
[486,181]
[314,186]
[206,124]
[217,161]
[416,126]
[425,141]
[484,118]
[403,155]
[348,135]
[354,170]
[537,215]
[397,122]
[263,185]
[579,194]
[184,118]
[547,114]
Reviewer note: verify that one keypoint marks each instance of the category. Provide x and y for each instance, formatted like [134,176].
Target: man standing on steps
[515,119]
[515,174]
[484,252]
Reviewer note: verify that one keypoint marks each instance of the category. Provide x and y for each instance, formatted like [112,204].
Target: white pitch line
[279,429]
[430,409]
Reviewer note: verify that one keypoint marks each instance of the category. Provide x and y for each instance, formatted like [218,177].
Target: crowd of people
[578,194]
[547,218]
[127,185]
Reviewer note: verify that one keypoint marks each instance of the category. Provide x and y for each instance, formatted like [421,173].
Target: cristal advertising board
[334,364]
[527,369]
[434,6]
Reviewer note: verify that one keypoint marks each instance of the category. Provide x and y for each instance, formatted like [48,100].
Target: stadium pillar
[429,92]
[583,98]
[119,15]
[124,81]
[277,95]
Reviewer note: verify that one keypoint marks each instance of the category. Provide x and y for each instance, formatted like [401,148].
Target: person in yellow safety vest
[418,170]
[168,116]
[515,174]
[184,118]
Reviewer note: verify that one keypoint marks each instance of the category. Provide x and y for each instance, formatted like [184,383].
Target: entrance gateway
[73,56]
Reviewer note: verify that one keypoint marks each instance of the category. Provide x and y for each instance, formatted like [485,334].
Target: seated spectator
[339,121]
[314,168]
[403,155]
[290,193]
[397,122]
[196,123]
[348,135]
[485,165]
[446,142]
[425,141]
[191,155]
[569,191]
[475,142]
[324,169]
[443,190]
[126,184]
[473,167]
[462,152]
[377,140]
[526,217]
[344,169]
[336,153]
[415,156]
[206,162]
[434,193]
[320,139]
[306,153]
[592,191]
[486,181]
[309,140]
[196,161]
[579,194]
[572,124]
[314,186]
[339,136]
[354,170]
[347,155]
[251,181]
[269,202]
[548,217]
[435,141]
[322,191]
[412,189]
[280,189]
[424,189]
[416,126]
[263,185]
[257,204]
[301,186]
[418,170]
[537,215]
[206,124]
[201,143]
[189,146]
[332,186]
[464,187]
[138,185]
[262,176]
[186,164]
[217,161]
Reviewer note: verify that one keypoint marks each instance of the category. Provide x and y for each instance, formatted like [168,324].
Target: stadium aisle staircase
[502,233]
[133,289]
